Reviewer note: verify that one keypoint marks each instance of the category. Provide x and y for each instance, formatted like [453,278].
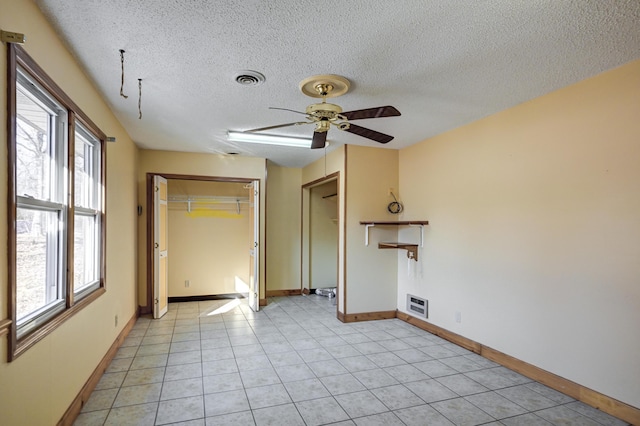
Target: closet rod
[209,200]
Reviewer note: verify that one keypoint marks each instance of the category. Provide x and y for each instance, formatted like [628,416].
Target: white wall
[534,232]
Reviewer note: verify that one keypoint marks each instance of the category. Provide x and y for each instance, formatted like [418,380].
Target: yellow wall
[183,163]
[37,387]
[534,232]
[283,227]
[371,272]
[209,246]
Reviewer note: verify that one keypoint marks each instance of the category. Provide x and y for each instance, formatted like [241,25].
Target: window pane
[37,260]
[85,252]
[86,169]
[33,150]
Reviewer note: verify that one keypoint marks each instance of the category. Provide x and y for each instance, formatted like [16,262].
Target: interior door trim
[148,308]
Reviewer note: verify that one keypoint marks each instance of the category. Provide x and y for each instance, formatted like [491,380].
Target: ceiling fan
[324,114]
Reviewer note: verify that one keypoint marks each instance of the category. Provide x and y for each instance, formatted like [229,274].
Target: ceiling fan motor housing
[324,110]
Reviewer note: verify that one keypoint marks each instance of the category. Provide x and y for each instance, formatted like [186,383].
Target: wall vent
[418,306]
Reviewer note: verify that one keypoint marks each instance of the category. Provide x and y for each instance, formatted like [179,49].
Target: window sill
[31,339]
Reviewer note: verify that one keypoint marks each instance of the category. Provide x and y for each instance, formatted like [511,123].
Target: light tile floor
[293,363]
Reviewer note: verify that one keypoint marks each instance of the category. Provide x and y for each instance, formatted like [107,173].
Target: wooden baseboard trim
[284,293]
[143,310]
[441,332]
[593,398]
[74,409]
[262,302]
[367,316]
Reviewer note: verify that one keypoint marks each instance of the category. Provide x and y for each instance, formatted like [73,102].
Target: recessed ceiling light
[268,139]
[249,78]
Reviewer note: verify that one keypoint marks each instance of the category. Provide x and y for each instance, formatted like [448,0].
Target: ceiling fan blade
[367,133]
[383,111]
[277,126]
[319,140]
[287,109]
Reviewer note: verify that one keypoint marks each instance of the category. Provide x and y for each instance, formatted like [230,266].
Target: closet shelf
[208,200]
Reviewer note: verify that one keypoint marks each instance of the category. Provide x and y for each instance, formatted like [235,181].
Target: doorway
[212,240]
[320,234]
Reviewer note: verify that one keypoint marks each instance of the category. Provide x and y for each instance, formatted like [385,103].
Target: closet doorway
[320,234]
[212,234]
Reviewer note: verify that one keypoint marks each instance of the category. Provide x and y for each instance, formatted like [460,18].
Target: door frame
[305,259]
[150,224]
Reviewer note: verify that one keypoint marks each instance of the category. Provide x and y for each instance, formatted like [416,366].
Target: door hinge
[156,301]
[156,188]
[155,245]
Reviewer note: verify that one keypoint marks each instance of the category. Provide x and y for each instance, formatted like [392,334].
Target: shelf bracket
[366,233]
[421,233]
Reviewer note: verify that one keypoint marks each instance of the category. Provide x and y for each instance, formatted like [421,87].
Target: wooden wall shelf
[371,223]
[412,249]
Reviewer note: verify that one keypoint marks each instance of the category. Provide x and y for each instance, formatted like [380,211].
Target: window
[56,208]
[86,247]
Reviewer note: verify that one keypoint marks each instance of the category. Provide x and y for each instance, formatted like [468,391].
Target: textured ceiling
[442,63]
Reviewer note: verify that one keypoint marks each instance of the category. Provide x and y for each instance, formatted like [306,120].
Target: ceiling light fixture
[268,139]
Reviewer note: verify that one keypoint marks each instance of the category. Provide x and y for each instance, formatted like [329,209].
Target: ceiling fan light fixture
[258,138]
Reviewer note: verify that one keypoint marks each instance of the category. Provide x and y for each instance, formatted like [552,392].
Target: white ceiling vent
[250,78]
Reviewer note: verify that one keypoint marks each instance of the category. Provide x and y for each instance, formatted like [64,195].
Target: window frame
[73,301]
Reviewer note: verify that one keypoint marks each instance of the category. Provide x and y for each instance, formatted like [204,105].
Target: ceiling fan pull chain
[122,74]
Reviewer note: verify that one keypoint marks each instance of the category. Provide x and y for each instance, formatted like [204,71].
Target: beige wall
[371,272]
[283,227]
[39,386]
[183,163]
[534,232]
[209,246]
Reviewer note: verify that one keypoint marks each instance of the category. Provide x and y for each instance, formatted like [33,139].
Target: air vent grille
[418,306]
[250,78]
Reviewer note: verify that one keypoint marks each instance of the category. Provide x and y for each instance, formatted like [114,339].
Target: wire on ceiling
[122,74]
[140,99]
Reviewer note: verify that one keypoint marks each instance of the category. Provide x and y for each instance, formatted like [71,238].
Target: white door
[160,247]
[254,251]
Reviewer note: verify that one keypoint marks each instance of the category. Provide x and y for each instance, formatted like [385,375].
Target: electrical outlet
[116,321]
[458,317]
[186,283]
